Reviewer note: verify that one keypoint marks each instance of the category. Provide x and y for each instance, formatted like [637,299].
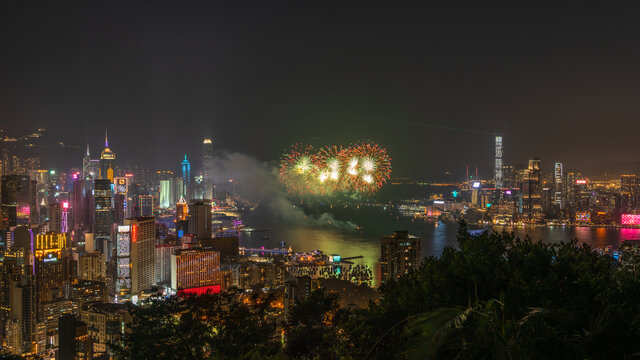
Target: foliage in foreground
[495,297]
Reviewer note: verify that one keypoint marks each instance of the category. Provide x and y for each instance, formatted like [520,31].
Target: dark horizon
[558,83]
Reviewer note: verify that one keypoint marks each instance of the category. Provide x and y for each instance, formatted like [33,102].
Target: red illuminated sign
[65,204]
[134,233]
[581,182]
[213,289]
[630,219]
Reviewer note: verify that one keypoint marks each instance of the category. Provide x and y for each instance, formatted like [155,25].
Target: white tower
[498,163]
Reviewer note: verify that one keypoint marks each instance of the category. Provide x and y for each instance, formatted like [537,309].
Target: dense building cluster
[80,248]
[529,196]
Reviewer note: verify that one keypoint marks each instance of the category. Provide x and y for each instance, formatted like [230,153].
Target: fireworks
[359,168]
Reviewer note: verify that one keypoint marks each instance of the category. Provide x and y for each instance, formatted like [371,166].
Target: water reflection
[377,223]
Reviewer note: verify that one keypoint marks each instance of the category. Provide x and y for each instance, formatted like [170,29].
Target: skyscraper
[18,201]
[102,212]
[629,191]
[200,219]
[498,163]
[557,176]
[186,176]
[399,253]
[532,191]
[135,257]
[86,166]
[207,168]
[107,161]
[83,205]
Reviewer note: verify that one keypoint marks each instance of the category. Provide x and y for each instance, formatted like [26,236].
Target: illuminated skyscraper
[532,191]
[135,257]
[557,175]
[498,163]
[102,212]
[629,193]
[146,205]
[107,161]
[186,176]
[166,193]
[207,168]
[86,166]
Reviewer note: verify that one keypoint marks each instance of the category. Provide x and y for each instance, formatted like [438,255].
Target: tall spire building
[186,176]
[86,165]
[107,161]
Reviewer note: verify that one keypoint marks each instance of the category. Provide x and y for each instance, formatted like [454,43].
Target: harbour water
[338,235]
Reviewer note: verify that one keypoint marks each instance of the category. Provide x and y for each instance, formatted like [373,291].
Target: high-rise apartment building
[399,253]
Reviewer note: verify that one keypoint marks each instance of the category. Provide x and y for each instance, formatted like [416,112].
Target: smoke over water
[259,181]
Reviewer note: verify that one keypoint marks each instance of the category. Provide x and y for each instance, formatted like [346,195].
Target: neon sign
[583,217]
[630,219]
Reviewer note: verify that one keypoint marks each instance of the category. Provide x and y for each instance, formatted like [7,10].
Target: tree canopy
[495,296]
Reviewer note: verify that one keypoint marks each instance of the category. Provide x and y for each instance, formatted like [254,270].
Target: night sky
[562,84]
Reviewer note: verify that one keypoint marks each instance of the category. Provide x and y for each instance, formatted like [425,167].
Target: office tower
[146,205]
[399,253]
[196,270]
[498,164]
[186,177]
[51,268]
[166,194]
[18,201]
[55,217]
[200,219]
[182,210]
[207,168]
[83,205]
[557,182]
[182,217]
[106,323]
[135,258]
[107,161]
[119,208]
[629,193]
[75,341]
[91,266]
[86,166]
[42,193]
[120,203]
[532,192]
[102,212]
